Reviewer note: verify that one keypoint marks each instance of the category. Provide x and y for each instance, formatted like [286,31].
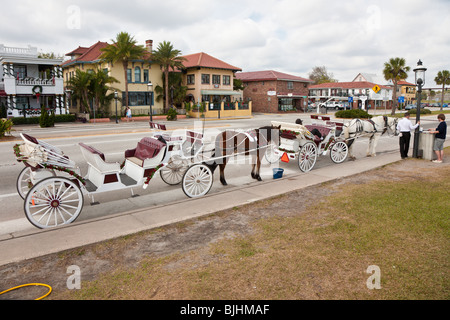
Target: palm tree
[395,69]
[168,58]
[443,77]
[124,50]
[99,87]
[79,86]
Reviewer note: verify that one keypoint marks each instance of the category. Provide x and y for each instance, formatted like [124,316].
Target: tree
[238,84]
[123,50]
[395,69]
[321,75]
[79,86]
[168,58]
[99,87]
[443,77]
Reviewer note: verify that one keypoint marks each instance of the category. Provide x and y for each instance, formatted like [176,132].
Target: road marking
[8,195]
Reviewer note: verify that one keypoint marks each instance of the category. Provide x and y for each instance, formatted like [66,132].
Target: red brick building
[273,91]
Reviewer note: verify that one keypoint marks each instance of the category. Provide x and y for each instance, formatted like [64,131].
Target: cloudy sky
[292,36]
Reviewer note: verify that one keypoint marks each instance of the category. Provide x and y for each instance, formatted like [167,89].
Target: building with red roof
[139,73]
[209,80]
[274,91]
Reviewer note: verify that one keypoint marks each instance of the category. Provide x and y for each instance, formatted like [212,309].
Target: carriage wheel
[307,156]
[197,181]
[339,152]
[270,154]
[24,181]
[173,172]
[53,202]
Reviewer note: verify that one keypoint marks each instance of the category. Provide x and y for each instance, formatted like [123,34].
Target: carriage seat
[148,152]
[324,131]
[96,159]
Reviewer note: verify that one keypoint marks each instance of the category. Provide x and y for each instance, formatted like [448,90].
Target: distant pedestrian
[441,132]
[405,127]
[128,114]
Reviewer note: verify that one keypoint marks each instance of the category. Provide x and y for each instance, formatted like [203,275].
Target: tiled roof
[348,85]
[79,50]
[90,54]
[268,75]
[202,59]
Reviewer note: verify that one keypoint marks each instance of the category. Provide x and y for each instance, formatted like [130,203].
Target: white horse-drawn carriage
[53,186]
[304,143]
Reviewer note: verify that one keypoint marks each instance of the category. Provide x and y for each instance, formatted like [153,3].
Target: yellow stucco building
[139,73]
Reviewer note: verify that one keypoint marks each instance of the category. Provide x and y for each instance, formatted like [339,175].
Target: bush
[354,113]
[5,126]
[171,114]
[35,120]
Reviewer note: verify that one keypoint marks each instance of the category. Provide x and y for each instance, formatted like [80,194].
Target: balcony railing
[30,51]
[33,81]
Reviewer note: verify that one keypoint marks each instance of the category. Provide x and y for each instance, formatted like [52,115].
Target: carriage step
[126,180]
[90,187]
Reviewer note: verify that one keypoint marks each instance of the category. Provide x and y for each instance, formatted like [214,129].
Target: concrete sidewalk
[26,245]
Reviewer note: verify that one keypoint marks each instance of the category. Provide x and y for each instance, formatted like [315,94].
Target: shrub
[46,120]
[171,114]
[354,113]
[5,126]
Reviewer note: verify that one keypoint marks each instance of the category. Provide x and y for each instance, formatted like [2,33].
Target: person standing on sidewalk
[128,114]
[405,127]
[441,132]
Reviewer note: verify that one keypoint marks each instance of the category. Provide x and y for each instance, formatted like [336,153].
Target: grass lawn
[395,218]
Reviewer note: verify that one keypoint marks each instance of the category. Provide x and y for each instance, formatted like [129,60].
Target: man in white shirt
[405,127]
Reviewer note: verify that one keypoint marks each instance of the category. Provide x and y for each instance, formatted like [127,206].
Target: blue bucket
[277,173]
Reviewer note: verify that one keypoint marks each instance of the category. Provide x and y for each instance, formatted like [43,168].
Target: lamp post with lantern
[420,82]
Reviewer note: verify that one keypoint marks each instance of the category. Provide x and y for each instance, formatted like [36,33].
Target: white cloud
[290,36]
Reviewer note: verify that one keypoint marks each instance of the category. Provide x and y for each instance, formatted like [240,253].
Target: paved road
[113,139]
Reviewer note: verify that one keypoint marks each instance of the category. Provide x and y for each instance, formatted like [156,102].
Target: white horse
[373,128]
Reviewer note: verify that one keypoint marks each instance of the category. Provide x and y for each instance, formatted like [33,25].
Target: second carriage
[299,143]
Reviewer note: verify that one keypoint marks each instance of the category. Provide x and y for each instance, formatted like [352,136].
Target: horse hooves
[258,178]
[223,181]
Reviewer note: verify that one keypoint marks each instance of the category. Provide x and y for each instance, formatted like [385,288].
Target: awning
[220,93]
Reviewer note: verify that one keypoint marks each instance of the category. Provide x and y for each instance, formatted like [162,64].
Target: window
[137,98]
[286,104]
[205,78]
[137,74]
[290,85]
[146,76]
[216,79]
[190,79]
[129,75]
[20,71]
[226,80]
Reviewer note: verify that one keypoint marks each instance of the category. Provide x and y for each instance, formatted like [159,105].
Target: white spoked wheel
[307,156]
[197,181]
[24,183]
[270,154]
[53,202]
[173,172]
[25,180]
[339,152]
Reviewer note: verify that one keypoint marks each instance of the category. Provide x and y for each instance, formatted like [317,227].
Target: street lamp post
[115,97]
[150,90]
[420,82]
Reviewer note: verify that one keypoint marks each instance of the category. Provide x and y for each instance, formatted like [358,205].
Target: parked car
[436,105]
[333,105]
[410,107]
[445,105]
